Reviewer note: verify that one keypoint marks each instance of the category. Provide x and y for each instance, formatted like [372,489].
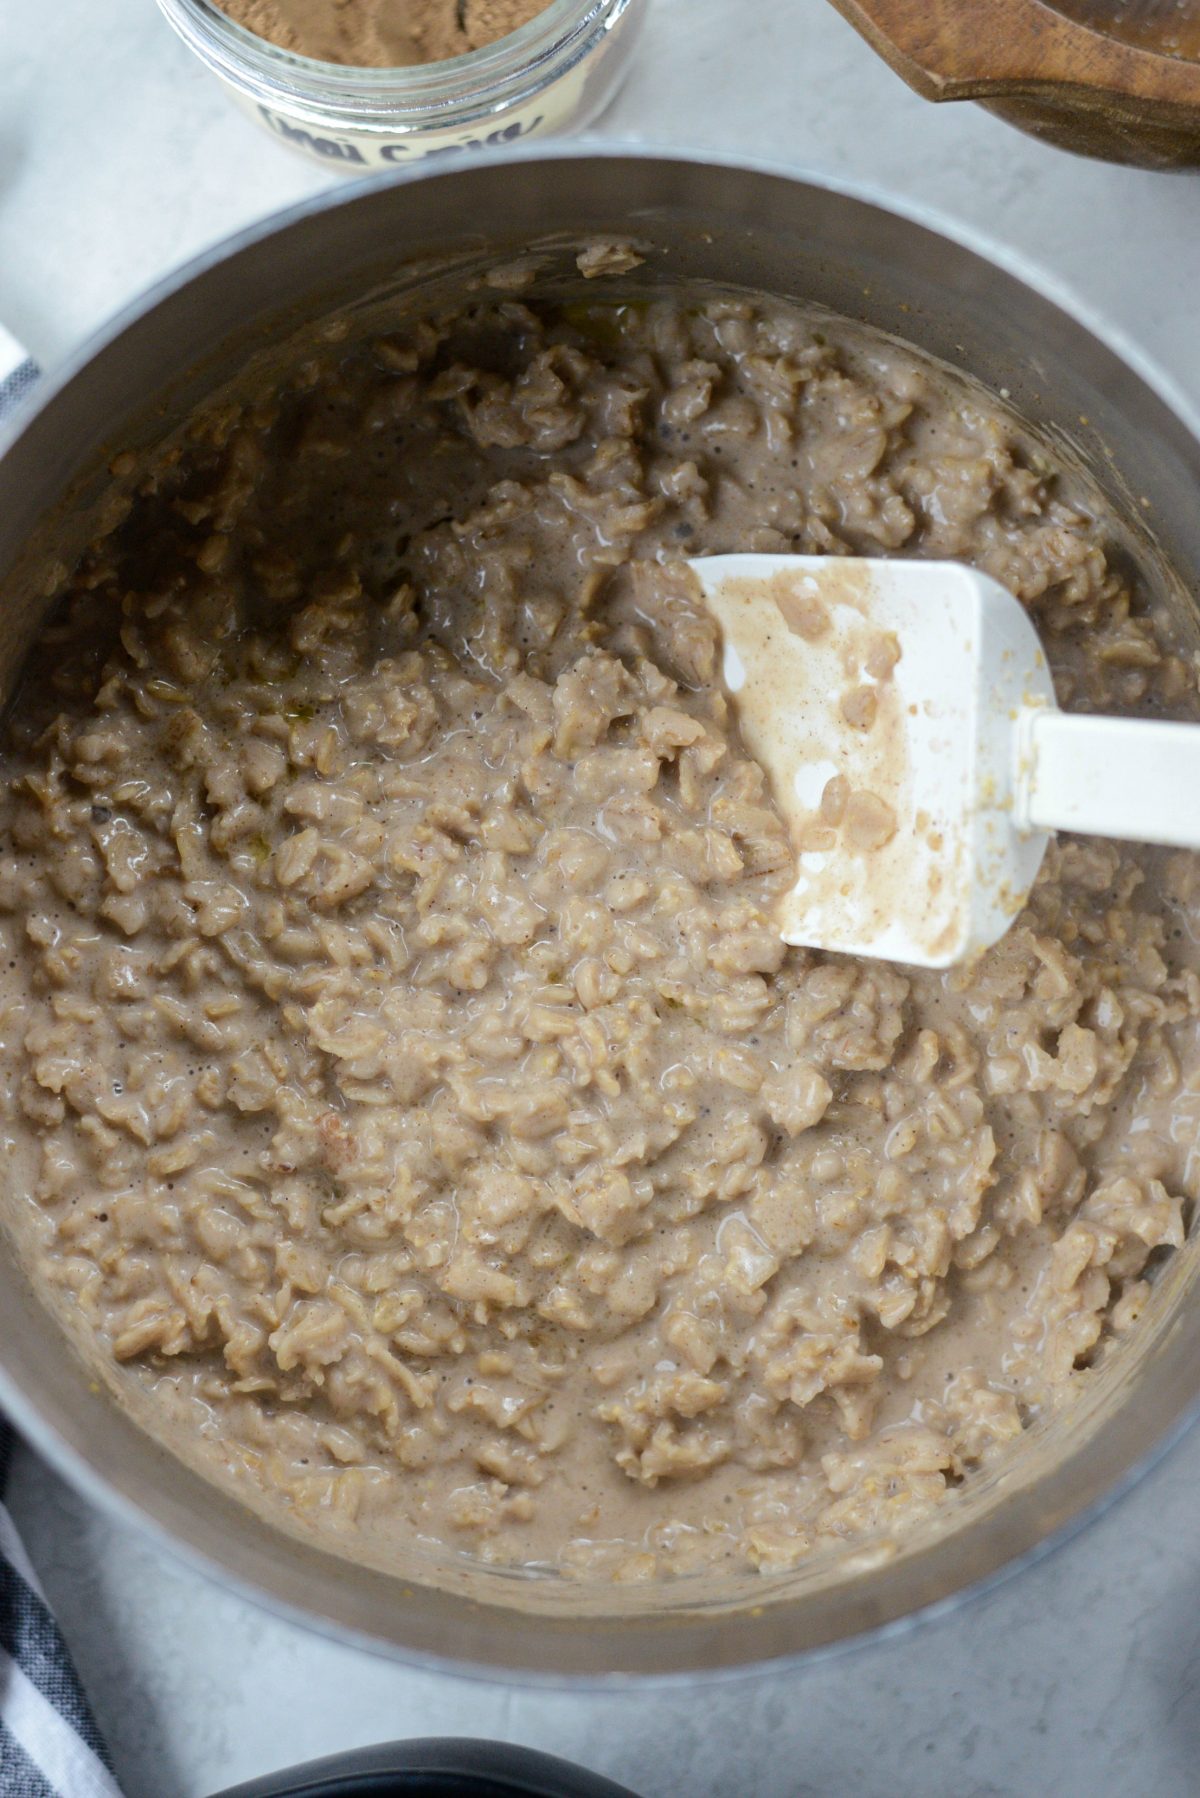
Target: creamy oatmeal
[404,1084]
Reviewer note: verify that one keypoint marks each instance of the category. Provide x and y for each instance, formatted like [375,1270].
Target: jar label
[361,152]
[356,152]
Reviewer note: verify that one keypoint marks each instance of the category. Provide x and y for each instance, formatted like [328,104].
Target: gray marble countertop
[118,159]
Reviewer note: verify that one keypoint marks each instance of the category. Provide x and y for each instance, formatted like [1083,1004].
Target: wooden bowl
[1118,79]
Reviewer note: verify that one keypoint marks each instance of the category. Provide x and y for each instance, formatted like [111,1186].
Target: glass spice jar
[554,73]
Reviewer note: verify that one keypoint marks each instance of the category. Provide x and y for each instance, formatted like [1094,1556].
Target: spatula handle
[1111,777]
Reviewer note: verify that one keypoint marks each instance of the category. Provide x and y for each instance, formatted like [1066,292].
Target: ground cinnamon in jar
[382,34]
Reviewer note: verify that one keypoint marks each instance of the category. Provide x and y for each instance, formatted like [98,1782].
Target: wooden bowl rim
[983,49]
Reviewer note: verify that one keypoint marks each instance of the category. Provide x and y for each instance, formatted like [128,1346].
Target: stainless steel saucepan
[697,221]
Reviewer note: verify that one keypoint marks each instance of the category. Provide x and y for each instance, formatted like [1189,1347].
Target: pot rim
[586,148]
[72,1463]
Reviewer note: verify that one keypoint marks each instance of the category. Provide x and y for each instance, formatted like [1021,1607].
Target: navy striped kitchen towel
[49,1744]
[18,372]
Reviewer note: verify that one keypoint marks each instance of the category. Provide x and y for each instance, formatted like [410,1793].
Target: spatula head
[883,700]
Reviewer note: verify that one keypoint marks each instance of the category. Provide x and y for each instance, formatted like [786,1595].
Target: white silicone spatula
[904,713]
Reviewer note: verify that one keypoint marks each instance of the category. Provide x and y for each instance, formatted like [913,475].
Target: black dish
[433,1767]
